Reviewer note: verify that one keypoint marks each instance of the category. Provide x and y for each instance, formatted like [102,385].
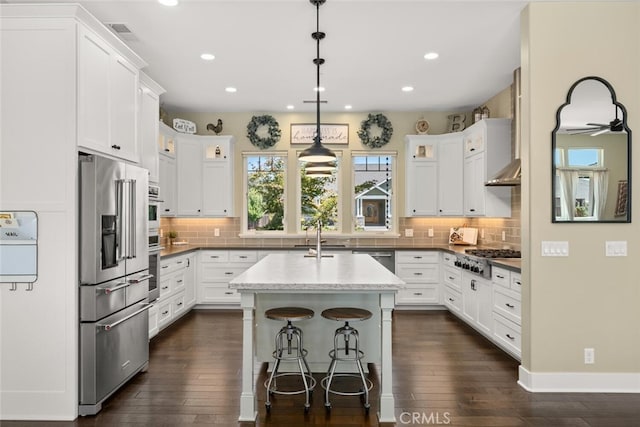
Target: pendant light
[319,174]
[320,167]
[317,152]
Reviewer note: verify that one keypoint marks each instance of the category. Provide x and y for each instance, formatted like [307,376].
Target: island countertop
[296,271]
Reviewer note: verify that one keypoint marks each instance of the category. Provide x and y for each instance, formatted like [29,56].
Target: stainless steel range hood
[509,176]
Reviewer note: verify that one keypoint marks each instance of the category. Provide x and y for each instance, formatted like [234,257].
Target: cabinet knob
[510,337]
[115,147]
[509,305]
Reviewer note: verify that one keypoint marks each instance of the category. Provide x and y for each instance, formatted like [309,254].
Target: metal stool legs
[293,350]
[347,353]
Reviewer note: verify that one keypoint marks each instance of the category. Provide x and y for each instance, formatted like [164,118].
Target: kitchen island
[338,280]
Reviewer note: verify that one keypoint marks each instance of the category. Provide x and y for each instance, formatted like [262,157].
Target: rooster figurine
[217,128]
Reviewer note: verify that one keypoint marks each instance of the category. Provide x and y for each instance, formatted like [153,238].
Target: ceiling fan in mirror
[595,129]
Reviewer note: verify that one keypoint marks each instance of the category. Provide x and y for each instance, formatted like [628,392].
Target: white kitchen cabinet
[507,309]
[168,185]
[450,175]
[217,268]
[205,175]
[476,302]
[107,98]
[166,140]
[168,169]
[149,103]
[189,174]
[433,178]
[487,149]
[177,291]
[420,271]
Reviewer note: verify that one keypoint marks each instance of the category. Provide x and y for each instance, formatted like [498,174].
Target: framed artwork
[332,133]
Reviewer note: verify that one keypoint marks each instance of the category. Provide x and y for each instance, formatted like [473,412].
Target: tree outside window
[265,192]
[319,200]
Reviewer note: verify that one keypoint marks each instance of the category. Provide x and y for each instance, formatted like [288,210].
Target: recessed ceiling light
[431,55]
[231,89]
[168,2]
[208,56]
[318,89]
[407,88]
[290,107]
[348,107]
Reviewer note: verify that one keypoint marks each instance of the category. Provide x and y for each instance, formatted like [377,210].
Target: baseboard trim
[578,382]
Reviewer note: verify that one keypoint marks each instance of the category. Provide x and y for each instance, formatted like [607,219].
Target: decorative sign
[184,126]
[304,133]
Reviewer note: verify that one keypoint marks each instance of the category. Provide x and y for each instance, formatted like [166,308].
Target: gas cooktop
[493,253]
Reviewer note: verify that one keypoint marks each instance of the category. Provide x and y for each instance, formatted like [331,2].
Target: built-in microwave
[154,207]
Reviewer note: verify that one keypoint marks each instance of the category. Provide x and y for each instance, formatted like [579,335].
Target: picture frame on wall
[331,133]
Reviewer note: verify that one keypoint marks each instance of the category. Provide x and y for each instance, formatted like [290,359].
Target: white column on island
[248,410]
[387,401]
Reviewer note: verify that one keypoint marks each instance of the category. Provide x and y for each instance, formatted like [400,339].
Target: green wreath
[377,141]
[274,131]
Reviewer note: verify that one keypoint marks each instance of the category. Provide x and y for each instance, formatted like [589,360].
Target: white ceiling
[373,48]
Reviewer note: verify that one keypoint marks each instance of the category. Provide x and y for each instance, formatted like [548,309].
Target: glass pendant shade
[320,167]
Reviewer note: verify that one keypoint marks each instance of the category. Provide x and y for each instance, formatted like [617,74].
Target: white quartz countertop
[297,272]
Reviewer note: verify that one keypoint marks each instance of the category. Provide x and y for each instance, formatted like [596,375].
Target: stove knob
[465,266]
[480,270]
[475,269]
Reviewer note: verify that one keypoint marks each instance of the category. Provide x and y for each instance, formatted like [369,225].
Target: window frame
[245,232]
[339,184]
[393,230]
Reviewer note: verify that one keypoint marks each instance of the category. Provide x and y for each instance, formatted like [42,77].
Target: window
[581,183]
[373,192]
[265,189]
[319,200]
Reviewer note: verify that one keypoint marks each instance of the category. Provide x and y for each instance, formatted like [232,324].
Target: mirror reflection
[591,156]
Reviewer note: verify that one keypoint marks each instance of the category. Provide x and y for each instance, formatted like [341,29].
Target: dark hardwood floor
[444,374]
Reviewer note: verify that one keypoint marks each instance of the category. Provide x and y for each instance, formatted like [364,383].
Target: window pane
[319,201]
[584,157]
[265,192]
[373,192]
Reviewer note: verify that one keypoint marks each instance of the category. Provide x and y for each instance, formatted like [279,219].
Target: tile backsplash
[202,231]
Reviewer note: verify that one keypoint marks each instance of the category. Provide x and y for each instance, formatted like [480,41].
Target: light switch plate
[616,248]
[216,232]
[430,232]
[555,248]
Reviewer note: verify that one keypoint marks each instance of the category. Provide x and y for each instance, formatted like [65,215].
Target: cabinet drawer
[418,295]
[452,276]
[448,259]
[507,334]
[243,256]
[168,266]
[166,286]
[416,273]
[218,273]
[453,300]
[178,304]
[164,313]
[507,303]
[218,293]
[501,277]
[214,256]
[178,282]
[416,257]
[516,281]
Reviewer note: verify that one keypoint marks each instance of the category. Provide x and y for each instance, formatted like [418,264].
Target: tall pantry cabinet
[68,84]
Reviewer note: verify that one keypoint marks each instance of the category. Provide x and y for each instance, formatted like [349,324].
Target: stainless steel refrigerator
[114,276]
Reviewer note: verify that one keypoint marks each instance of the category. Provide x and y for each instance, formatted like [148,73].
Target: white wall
[38,354]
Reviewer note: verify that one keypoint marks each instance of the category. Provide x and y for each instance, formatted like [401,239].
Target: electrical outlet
[430,232]
[504,236]
[616,248]
[589,356]
[216,232]
[408,232]
[482,233]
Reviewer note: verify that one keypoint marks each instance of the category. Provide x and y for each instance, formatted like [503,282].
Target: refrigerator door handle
[132,219]
[120,220]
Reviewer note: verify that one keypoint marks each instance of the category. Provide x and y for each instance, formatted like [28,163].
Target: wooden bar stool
[346,351]
[293,350]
